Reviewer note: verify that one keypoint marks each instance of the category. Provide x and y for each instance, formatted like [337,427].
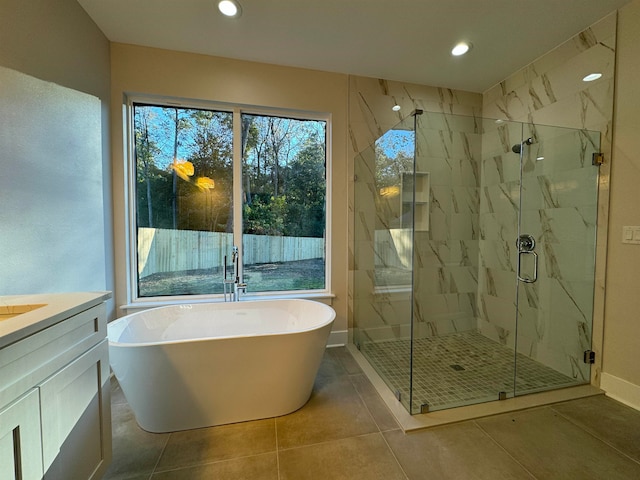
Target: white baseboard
[338,338]
[621,390]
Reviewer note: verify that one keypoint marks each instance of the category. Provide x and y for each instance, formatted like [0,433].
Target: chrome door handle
[535,266]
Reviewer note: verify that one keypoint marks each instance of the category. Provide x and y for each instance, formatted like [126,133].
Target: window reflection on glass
[184,200]
[283,213]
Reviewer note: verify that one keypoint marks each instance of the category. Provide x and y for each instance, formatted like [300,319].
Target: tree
[284,161]
[394,156]
[211,153]
[175,124]
[145,152]
[306,188]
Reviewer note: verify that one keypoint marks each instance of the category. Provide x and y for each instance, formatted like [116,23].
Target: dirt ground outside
[299,275]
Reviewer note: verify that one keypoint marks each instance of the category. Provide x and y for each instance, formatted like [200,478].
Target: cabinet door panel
[74,396]
[20,438]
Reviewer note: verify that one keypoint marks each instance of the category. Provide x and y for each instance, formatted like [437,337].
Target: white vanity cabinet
[20,450]
[55,413]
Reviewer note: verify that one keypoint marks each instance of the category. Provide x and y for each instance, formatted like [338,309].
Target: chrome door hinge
[589,356]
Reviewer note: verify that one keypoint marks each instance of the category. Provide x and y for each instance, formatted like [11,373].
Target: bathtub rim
[127,318]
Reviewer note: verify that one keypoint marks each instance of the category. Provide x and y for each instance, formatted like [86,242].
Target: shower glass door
[474,258]
[555,249]
[384,201]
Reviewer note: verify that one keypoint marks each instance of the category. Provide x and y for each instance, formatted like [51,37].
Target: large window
[205,180]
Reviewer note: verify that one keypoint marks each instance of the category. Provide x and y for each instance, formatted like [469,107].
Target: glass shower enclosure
[474,258]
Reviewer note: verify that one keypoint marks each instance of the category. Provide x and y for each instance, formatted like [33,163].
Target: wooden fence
[165,250]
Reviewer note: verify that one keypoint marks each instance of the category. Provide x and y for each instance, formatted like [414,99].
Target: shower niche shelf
[421,206]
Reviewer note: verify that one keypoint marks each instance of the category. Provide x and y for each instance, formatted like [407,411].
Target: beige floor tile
[258,467]
[334,411]
[378,409]
[146,476]
[330,368]
[607,419]
[135,452]
[206,445]
[551,447]
[117,397]
[453,452]
[346,360]
[365,457]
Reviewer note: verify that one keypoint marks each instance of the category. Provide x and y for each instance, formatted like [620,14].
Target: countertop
[57,307]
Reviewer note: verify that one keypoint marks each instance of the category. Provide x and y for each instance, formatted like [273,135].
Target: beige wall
[173,74]
[57,42]
[622,303]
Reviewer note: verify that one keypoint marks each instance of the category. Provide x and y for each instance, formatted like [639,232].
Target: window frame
[130,199]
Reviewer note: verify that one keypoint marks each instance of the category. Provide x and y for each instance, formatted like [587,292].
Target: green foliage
[265,217]
[306,192]
[283,171]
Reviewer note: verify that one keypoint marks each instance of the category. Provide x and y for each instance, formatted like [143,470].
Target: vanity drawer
[31,360]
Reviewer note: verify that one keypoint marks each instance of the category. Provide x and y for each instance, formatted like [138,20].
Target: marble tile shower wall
[448,147]
[559,208]
[557,312]
[446,255]
[466,261]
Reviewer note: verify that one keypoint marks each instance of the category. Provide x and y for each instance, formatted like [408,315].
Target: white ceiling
[405,40]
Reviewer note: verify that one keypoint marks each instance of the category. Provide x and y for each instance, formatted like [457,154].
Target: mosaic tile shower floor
[458,369]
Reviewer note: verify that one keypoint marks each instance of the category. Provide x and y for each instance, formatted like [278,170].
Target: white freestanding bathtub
[190,366]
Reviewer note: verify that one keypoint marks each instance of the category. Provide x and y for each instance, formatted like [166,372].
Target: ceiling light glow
[229,8]
[460,49]
[591,77]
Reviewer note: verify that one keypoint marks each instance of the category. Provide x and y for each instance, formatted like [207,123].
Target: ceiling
[404,40]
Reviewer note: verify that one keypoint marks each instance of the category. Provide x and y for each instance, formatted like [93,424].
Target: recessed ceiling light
[396,108]
[591,77]
[461,49]
[229,8]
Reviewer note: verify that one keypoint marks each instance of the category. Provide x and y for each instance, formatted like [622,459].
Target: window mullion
[237,183]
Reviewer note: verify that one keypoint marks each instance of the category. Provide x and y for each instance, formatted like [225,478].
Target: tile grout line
[495,442]
[393,454]
[388,356]
[572,422]
[164,448]
[275,425]
[177,468]
[350,376]
[364,403]
[384,439]
[324,442]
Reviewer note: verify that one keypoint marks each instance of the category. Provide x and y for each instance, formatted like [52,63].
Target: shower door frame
[360,330]
[574,358]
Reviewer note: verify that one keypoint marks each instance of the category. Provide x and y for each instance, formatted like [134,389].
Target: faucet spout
[238,286]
